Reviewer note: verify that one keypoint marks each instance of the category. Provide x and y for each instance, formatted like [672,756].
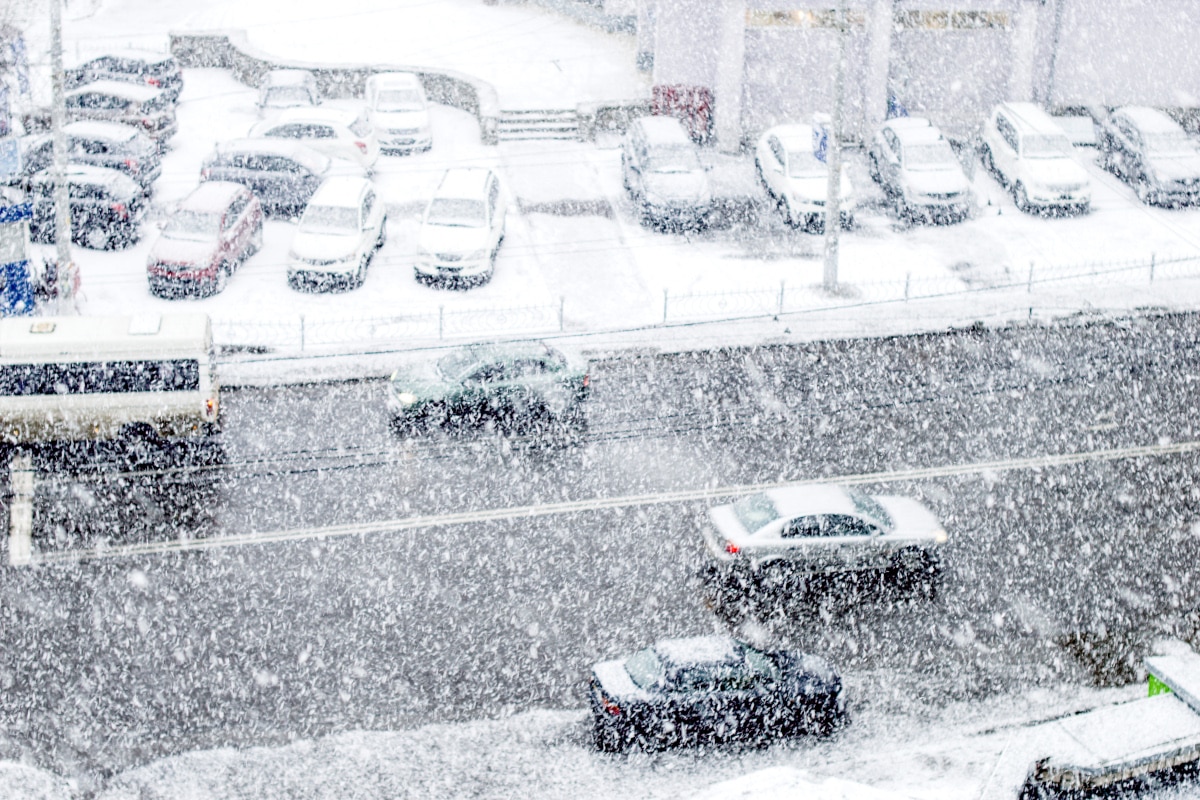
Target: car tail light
[362,147]
[204,173]
[732,548]
[131,163]
[154,82]
[610,706]
[120,209]
[587,381]
[210,407]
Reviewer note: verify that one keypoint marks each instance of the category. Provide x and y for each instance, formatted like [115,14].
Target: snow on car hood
[816,186]
[401,120]
[688,186]
[452,239]
[936,181]
[183,251]
[1055,171]
[1175,168]
[910,519]
[324,246]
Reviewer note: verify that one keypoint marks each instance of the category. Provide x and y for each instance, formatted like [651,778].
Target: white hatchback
[789,168]
[337,132]
[400,112]
[343,226]
[462,227]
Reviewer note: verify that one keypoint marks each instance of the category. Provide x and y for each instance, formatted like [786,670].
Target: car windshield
[1046,145]
[287,96]
[672,160]
[1170,143]
[869,507]
[645,669]
[455,366]
[803,164]
[755,511]
[193,225]
[336,219]
[935,155]
[399,100]
[456,212]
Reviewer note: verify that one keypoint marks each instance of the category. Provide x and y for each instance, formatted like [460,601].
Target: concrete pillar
[731,65]
[1024,38]
[879,62]
[646,22]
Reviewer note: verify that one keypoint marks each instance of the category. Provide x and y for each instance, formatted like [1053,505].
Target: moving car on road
[1150,151]
[663,175]
[342,228]
[140,67]
[143,107]
[99,144]
[917,168]
[336,132]
[287,88]
[283,174]
[106,207]
[780,540]
[216,228]
[522,388]
[400,112]
[462,228]
[684,691]
[796,179]
[1026,150]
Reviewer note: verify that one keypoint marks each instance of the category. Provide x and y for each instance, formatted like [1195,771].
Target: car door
[1007,153]
[474,398]
[234,233]
[776,166]
[693,708]
[892,162]
[854,543]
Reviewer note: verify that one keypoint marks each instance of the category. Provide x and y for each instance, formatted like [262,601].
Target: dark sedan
[145,68]
[106,207]
[283,174]
[98,144]
[522,388]
[712,688]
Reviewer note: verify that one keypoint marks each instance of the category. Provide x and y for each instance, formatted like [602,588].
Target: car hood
[1176,168]
[936,181]
[182,251]
[452,239]
[911,520]
[1054,170]
[690,186]
[401,120]
[324,246]
[816,187]
[421,379]
[617,683]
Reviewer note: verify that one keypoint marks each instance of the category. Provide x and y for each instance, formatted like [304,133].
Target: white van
[1030,154]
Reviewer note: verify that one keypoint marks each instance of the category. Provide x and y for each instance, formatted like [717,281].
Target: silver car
[916,167]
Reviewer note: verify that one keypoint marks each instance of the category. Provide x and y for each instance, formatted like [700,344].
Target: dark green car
[523,388]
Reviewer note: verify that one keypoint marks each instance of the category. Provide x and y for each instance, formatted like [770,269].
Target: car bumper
[676,215]
[323,277]
[434,268]
[176,286]
[1051,198]
[405,142]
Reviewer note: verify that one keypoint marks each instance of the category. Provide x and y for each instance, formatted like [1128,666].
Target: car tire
[1021,198]
[382,238]
[989,161]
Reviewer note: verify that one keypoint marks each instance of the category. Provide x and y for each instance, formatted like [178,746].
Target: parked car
[662,173]
[783,539]
[287,88]
[336,132]
[918,169]
[523,388]
[211,232]
[400,112]
[143,107]
[146,68]
[1029,153]
[798,181]
[106,207]
[712,688]
[462,227]
[283,174]
[1151,152]
[342,228]
[99,144]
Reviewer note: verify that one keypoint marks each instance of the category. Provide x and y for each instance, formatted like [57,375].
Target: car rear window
[644,668]
[869,507]
[360,127]
[755,511]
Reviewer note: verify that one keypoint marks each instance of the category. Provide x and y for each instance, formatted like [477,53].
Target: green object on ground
[1157,687]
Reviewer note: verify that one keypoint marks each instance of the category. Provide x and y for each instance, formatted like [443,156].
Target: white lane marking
[20,525]
[602,503]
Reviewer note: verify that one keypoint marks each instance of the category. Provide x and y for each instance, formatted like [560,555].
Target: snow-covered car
[523,388]
[283,174]
[287,88]
[98,144]
[107,207]
[712,688]
[1029,153]
[662,173]
[786,162]
[157,70]
[1151,152]
[342,228]
[209,235]
[144,107]
[400,112]
[337,132]
[918,169]
[462,228]
[784,538]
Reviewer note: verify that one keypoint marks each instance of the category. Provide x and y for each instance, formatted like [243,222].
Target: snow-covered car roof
[395,80]
[98,129]
[344,191]
[793,136]
[320,115]
[1030,117]
[663,130]
[86,174]
[1149,120]
[288,148]
[129,91]
[288,77]
[131,54]
[816,498]
[463,182]
[698,650]
[917,135]
[907,123]
[211,196]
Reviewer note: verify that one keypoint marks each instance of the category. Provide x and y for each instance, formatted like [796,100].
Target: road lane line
[605,503]
[20,524]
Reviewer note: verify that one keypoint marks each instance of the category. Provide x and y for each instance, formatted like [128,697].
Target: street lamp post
[65,270]
[833,189]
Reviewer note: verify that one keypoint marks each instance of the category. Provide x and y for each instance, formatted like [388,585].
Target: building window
[952,20]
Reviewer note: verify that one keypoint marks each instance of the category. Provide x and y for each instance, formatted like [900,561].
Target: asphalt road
[287,592]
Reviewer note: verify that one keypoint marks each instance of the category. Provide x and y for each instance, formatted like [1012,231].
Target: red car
[208,237]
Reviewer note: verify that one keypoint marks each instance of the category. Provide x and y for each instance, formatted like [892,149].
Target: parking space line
[603,503]
[20,526]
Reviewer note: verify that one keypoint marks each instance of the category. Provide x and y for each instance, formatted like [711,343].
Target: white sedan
[917,168]
[337,132]
[342,227]
[794,175]
[785,537]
